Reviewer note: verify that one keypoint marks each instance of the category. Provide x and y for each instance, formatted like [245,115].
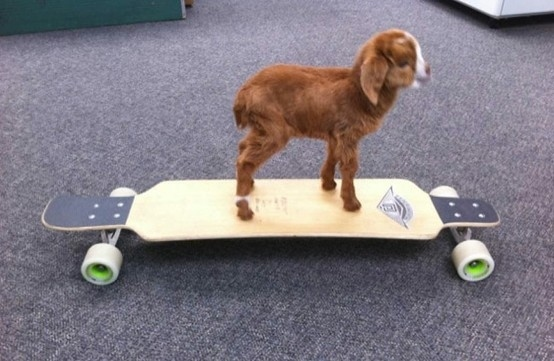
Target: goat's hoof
[329,185]
[352,205]
[244,212]
[245,215]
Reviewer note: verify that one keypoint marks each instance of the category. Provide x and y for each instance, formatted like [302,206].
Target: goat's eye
[403,63]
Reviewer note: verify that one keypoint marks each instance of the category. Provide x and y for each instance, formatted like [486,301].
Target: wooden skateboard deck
[205,209]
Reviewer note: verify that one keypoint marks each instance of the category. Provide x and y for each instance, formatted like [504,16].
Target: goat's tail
[239,108]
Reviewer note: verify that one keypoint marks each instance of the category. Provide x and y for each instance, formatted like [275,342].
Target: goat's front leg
[348,169]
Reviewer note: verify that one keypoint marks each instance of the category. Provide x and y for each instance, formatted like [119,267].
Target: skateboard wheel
[123,192]
[472,260]
[444,191]
[102,264]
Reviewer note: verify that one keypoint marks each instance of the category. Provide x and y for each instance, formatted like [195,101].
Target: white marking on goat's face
[423,70]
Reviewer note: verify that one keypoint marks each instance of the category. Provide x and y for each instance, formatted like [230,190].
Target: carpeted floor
[85,111]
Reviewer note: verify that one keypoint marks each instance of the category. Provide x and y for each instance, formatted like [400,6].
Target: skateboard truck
[110,237]
[471,257]
[103,260]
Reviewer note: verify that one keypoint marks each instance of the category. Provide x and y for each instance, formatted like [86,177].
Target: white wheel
[123,192]
[102,264]
[444,191]
[472,260]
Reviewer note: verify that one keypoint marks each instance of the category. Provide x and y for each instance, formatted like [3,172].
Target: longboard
[205,209]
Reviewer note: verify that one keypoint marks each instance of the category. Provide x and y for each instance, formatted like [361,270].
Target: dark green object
[27,16]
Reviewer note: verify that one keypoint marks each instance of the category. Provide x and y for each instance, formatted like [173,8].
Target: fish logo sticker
[396,208]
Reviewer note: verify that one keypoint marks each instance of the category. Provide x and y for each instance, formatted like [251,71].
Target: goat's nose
[427,69]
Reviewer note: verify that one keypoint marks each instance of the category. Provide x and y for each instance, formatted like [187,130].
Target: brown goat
[338,105]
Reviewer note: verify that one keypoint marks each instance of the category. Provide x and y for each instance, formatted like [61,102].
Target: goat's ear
[372,77]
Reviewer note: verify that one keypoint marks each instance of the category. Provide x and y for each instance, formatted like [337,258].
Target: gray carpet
[85,111]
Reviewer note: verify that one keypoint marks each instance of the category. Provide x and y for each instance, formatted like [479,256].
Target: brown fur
[337,105]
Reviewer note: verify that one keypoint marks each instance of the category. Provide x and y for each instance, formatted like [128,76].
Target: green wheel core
[99,272]
[476,268]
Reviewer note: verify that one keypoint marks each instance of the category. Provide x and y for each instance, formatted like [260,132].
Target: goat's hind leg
[242,146]
[328,170]
[254,150]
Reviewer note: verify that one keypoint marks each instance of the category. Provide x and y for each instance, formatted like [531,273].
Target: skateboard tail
[71,213]
[465,212]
